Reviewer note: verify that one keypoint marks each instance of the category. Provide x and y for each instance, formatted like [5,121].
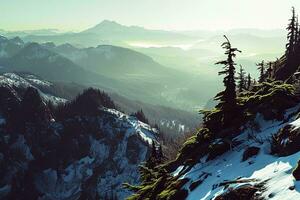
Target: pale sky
[77,15]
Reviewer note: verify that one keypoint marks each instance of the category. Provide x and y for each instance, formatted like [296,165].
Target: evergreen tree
[249,81]
[297,32]
[254,82]
[152,160]
[241,79]
[227,98]
[269,70]
[292,51]
[290,46]
[261,68]
[141,116]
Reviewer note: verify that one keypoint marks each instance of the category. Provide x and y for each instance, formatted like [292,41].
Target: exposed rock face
[287,140]
[296,172]
[250,152]
[80,156]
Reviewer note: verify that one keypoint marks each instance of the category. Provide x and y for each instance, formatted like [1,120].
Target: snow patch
[276,172]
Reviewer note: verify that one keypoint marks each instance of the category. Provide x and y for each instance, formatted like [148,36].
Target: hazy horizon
[141,26]
[74,15]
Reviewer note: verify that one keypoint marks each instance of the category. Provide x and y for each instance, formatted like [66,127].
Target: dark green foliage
[212,119]
[73,144]
[157,183]
[297,31]
[156,158]
[249,82]
[261,68]
[290,47]
[268,98]
[269,71]
[198,143]
[33,107]
[227,98]
[141,116]
[218,148]
[163,187]
[296,172]
[85,104]
[10,108]
[291,60]
[152,160]
[241,79]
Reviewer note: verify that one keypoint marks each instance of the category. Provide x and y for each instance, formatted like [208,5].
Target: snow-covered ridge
[114,146]
[131,139]
[144,131]
[275,172]
[13,80]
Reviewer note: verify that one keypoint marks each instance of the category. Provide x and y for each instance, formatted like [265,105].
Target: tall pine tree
[297,40]
[290,46]
[296,32]
[227,98]
[292,51]
[249,81]
[261,68]
[269,70]
[241,79]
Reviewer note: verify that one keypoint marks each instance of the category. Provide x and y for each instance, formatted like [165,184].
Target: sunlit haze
[76,15]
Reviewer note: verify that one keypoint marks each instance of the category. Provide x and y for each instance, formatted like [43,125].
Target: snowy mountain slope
[77,156]
[273,172]
[117,163]
[28,80]
[240,161]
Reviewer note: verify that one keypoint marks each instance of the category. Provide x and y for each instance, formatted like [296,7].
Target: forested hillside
[248,146]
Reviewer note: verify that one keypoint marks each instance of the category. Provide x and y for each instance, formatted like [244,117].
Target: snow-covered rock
[79,156]
[273,172]
[28,80]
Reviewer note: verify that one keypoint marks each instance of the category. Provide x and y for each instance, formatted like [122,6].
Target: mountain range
[114,69]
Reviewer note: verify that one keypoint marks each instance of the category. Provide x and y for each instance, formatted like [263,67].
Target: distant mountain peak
[109,23]
[104,26]
[17,40]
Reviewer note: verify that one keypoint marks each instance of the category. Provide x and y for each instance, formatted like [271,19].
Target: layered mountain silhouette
[109,32]
[114,69]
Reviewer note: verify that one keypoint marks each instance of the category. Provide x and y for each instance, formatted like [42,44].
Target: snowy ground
[276,171]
